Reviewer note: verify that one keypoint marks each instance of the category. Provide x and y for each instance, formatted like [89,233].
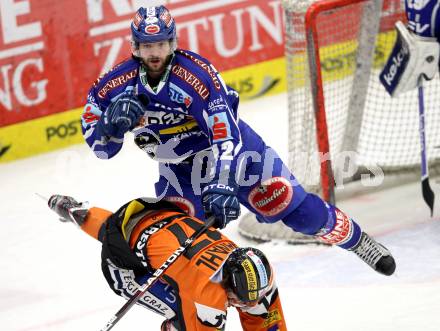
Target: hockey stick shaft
[150,281]
[428,194]
[42,196]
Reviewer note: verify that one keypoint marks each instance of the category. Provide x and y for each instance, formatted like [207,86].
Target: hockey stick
[150,281]
[428,194]
[42,196]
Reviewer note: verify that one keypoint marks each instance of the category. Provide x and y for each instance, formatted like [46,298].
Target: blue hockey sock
[340,229]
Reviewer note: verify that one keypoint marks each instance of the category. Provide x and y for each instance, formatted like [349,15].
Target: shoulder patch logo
[191,79]
[91,114]
[208,68]
[115,82]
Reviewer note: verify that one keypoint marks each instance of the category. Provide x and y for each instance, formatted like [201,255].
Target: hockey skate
[375,255]
[68,209]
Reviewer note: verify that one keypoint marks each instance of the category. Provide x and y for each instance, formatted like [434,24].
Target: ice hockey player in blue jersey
[416,51]
[184,116]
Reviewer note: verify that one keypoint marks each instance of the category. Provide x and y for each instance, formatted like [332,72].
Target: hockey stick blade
[428,194]
[150,281]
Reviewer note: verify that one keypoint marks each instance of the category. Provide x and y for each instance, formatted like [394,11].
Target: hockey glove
[68,209]
[123,114]
[221,201]
[413,56]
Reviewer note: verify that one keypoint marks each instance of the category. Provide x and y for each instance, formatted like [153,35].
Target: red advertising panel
[38,44]
[51,51]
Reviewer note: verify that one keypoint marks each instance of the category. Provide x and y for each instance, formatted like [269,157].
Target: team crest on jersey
[272,196]
[179,96]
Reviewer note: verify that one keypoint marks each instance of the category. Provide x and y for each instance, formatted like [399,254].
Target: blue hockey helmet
[153,24]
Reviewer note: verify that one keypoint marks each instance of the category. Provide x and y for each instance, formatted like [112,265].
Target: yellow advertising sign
[40,135]
[256,80]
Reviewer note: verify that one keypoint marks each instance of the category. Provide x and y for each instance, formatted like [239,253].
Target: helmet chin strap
[173,44]
[135,48]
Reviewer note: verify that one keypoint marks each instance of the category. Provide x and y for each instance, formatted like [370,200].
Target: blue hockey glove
[221,201]
[123,114]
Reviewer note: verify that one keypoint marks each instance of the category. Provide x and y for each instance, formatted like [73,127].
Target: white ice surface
[50,276]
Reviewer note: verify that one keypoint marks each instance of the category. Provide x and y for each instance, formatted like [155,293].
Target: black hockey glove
[123,114]
[221,201]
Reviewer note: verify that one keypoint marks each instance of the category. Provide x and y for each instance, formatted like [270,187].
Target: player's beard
[156,65]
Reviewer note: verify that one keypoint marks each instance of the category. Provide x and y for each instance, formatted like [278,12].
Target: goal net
[343,126]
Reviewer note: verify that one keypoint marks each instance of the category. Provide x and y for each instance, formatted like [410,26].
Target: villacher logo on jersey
[272,197]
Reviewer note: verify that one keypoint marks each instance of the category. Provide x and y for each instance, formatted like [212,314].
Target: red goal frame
[326,170]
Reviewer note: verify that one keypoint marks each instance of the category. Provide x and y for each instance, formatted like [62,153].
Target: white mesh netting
[362,119]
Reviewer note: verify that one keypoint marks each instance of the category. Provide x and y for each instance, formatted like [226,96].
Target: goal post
[343,126]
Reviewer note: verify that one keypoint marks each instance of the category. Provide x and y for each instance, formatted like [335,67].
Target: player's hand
[123,114]
[68,209]
[221,202]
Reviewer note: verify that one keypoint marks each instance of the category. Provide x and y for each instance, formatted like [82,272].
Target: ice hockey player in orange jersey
[210,276]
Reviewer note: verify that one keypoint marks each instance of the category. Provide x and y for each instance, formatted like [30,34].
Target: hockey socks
[342,231]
